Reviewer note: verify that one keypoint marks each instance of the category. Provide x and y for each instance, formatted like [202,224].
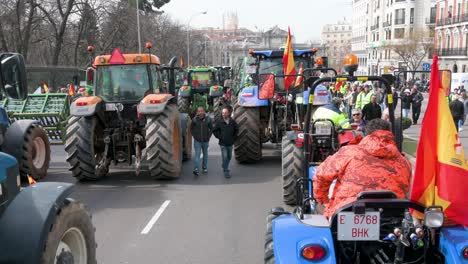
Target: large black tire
[217,108]
[71,221]
[248,146]
[292,170]
[36,153]
[164,144]
[84,147]
[183,104]
[269,252]
[188,140]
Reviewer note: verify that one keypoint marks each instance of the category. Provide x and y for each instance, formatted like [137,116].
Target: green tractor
[203,89]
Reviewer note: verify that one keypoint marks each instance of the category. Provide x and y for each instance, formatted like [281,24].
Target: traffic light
[159,3]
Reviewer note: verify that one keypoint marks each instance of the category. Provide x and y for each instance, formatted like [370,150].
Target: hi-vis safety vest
[331,112]
[363,99]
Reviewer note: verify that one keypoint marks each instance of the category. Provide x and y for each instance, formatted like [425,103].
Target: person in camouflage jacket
[373,164]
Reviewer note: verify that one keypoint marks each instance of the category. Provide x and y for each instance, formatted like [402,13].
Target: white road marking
[155,218]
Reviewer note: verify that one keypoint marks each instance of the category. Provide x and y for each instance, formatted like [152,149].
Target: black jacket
[371,111]
[416,100]
[457,109]
[202,129]
[226,133]
[406,101]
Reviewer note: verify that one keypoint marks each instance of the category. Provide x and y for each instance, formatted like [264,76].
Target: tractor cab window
[122,82]
[158,79]
[202,79]
[275,66]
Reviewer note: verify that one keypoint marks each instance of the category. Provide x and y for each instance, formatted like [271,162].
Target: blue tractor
[376,228]
[266,117]
[39,223]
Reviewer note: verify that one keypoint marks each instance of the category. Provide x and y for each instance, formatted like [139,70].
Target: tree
[414,49]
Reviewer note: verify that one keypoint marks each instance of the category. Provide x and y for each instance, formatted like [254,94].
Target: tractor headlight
[433,217]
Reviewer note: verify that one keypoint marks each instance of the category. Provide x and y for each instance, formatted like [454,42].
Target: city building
[336,42]
[379,26]
[451,36]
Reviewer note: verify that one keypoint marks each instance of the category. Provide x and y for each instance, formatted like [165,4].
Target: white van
[459,79]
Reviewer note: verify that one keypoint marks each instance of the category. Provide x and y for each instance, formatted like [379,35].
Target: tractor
[62,230]
[262,118]
[203,89]
[23,138]
[131,118]
[376,228]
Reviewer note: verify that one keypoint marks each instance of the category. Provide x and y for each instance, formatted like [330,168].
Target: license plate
[358,227]
[322,129]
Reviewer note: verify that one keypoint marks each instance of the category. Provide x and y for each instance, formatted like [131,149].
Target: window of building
[400,16]
[399,33]
[464,68]
[412,16]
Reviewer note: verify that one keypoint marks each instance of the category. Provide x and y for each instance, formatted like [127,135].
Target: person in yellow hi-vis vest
[364,97]
[332,112]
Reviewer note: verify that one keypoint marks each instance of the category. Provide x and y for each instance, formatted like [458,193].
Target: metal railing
[399,21]
[374,27]
[387,24]
[453,52]
[431,20]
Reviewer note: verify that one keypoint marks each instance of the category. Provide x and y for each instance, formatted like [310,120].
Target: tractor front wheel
[36,153]
[183,104]
[218,108]
[269,250]
[248,146]
[164,144]
[291,170]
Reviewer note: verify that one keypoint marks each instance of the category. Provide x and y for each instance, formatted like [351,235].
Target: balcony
[453,52]
[452,20]
[387,24]
[399,21]
[430,21]
[374,27]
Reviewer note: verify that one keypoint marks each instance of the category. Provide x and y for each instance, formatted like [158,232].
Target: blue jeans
[199,147]
[406,112]
[226,154]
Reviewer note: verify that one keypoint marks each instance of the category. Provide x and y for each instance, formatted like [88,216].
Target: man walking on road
[202,128]
[416,102]
[458,111]
[372,110]
[226,131]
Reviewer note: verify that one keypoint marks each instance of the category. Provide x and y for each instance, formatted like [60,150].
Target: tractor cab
[127,77]
[202,79]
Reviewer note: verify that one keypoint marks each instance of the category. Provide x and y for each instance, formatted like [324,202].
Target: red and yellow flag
[288,63]
[71,89]
[45,87]
[441,173]
[300,76]
[338,86]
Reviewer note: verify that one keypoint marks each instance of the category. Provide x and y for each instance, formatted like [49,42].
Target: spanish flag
[288,63]
[45,87]
[71,89]
[300,76]
[441,173]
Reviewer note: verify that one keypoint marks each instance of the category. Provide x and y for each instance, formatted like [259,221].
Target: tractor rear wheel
[85,148]
[248,147]
[36,153]
[217,108]
[291,170]
[71,237]
[164,144]
[183,104]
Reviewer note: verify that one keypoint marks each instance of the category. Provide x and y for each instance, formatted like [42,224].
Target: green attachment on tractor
[51,110]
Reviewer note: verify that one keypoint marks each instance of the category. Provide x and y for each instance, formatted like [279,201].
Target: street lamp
[188,34]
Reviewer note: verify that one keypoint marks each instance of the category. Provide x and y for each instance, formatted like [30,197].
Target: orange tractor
[131,118]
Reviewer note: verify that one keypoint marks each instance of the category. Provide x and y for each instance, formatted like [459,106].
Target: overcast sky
[305,17]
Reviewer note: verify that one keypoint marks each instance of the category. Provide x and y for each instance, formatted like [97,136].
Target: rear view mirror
[266,86]
[13,81]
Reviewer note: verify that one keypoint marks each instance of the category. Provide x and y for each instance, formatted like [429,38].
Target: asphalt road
[206,219]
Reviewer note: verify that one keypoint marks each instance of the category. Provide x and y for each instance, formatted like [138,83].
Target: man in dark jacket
[395,98]
[372,110]
[416,102]
[202,128]
[457,109]
[226,131]
[406,102]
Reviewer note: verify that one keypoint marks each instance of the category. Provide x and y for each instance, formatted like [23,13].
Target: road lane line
[155,218]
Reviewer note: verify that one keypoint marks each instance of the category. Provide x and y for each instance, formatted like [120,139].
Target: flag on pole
[441,173]
[71,89]
[338,86]
[288,62]
[300,76]
[45,87]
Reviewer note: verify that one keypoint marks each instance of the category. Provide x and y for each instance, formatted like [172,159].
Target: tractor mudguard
[290,236]
[14,137]
[216,91]
[25,224]
[452,242]
[248,97]
[86,106]
[185,91]
[154,104]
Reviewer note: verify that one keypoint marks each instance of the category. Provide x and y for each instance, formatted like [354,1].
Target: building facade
[379,24]
[336,42]
[451,35]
